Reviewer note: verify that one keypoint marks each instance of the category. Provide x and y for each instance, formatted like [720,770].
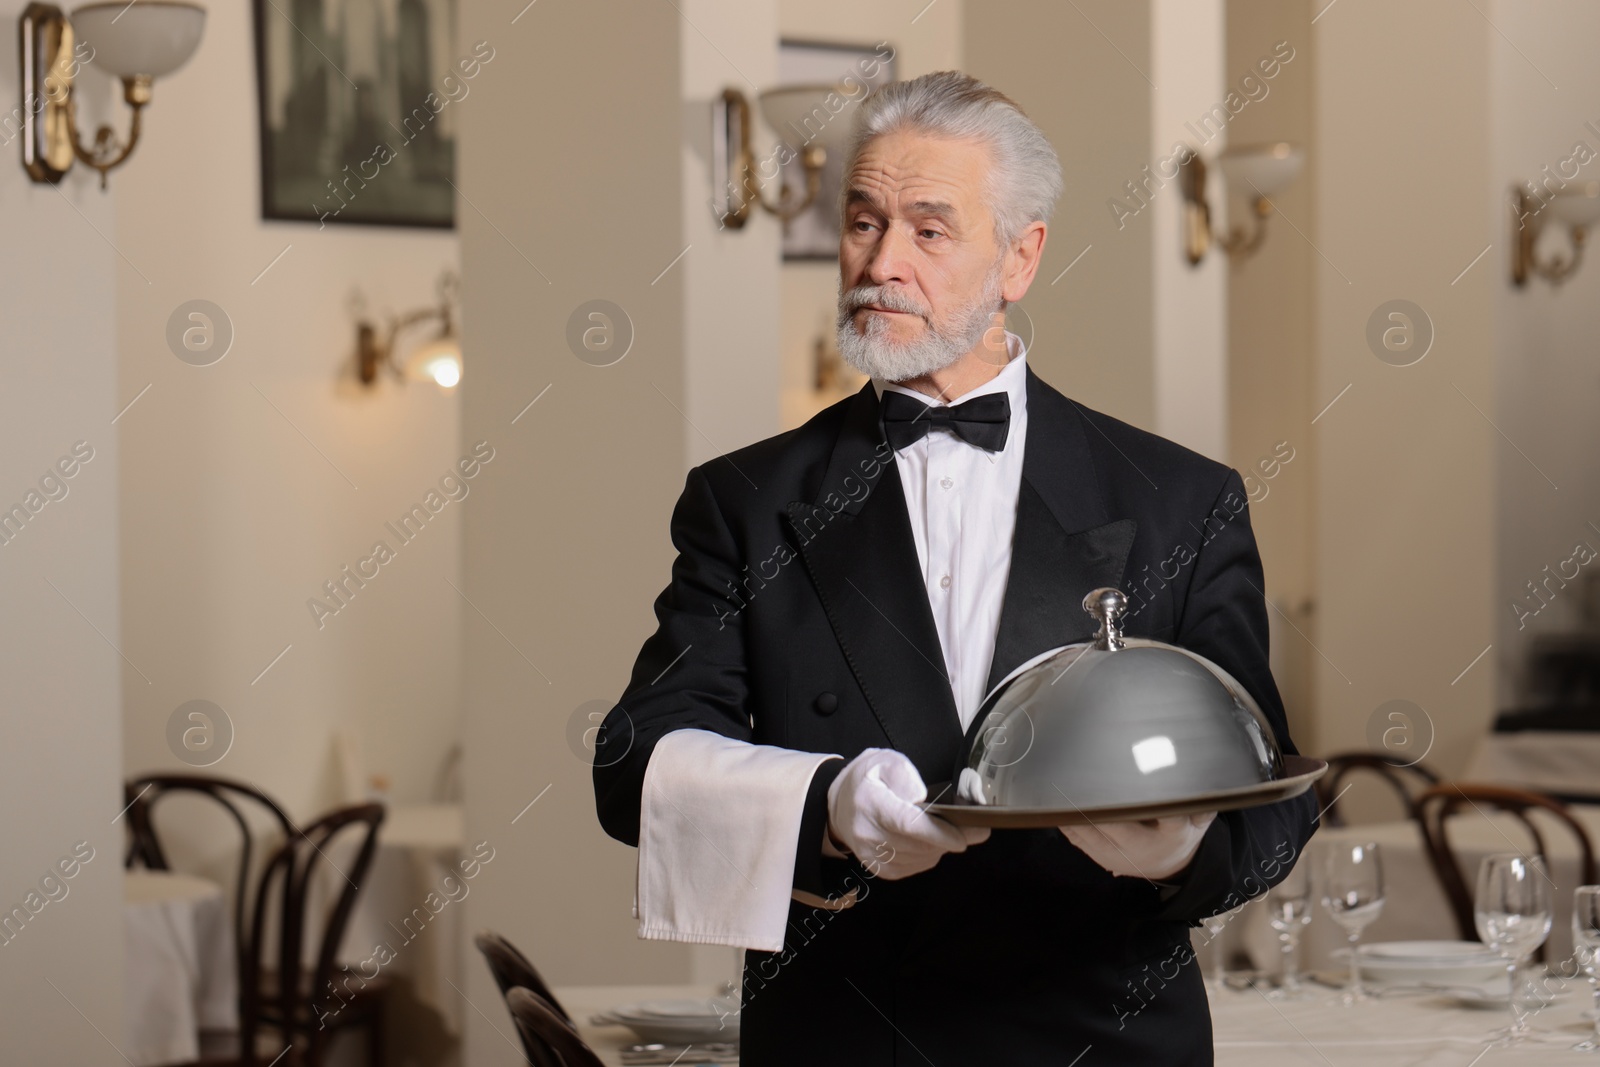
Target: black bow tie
[983,421]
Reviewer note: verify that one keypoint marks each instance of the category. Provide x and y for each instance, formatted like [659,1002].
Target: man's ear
[1022,262]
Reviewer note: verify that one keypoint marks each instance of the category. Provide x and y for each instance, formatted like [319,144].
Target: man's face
[920,270]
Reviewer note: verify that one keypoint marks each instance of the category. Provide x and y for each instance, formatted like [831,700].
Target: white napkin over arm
[718,824]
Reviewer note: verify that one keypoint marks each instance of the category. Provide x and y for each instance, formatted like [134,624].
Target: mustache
[863,295]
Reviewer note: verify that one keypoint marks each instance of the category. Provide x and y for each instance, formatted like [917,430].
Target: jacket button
[826,703]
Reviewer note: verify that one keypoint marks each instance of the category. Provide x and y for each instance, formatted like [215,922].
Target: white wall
[1546,386]
[1091,94]
[249,483]
[1190,320]
[1405,512]
[731,311]
[61,746]
[568,546]
[1270,362]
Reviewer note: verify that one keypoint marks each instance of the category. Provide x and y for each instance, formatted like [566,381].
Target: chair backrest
[1434,808]
[279,895]
[512,969]
[1406,780]
[292,873]
[236,798]
[545,1034]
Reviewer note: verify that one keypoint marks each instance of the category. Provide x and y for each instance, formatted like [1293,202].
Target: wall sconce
[1577,208]
[438,360]
[793,110]
[136,42]
[1261,170]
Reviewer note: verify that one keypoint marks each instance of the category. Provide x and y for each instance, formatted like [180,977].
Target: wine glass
[1352,892]
[1289,910]
[1586,946]
[1512,911]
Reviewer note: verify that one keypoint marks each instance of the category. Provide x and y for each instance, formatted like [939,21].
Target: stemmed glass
[1289,910]
[1512,910]
[1586,946]
[1352,892]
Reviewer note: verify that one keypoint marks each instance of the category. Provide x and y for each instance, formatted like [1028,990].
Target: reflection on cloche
[1116,721]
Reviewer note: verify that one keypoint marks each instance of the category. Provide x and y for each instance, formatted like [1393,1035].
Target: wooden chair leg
[376,1053]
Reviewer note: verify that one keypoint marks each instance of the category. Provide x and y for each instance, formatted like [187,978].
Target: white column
[1190,303]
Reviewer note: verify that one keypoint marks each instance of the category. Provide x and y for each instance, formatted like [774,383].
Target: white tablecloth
[1415,907]
[179,970]
[1416,1031]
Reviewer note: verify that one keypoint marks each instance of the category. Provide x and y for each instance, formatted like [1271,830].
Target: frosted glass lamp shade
[150,38]
[805,114]
[1578,205]
[1261,170]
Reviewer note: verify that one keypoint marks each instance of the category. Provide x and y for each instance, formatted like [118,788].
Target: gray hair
[1025,181]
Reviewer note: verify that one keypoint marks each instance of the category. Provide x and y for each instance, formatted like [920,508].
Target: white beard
[874,354]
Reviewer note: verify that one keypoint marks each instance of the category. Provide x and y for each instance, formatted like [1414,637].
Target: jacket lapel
[855,537]
[1066,542]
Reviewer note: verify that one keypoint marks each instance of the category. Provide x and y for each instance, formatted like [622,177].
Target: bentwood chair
[319,997]
[1407,780]
[1436,805]
[548,1038]
[512,969]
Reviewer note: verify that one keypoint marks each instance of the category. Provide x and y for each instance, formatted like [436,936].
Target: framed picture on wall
[857,70]
[356,105]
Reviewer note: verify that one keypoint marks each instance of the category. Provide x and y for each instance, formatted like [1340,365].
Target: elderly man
[844,596]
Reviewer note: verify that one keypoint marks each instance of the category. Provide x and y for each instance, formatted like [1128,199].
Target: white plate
[1445,951]
[1430,963]
[678,1021]
[671,1009]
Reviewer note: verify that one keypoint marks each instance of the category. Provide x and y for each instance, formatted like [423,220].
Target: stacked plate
[678,1022]
[1466,971]
[1441,964]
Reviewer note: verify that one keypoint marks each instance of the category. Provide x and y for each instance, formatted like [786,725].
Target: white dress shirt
[962,500]
[719,818]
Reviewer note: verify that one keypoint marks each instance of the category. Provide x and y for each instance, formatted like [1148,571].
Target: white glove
[1149,849]
[874,810]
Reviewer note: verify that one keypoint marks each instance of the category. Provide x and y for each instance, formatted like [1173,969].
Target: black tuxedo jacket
[797,616]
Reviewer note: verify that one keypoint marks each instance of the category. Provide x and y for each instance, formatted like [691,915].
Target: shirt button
[944,583]
[945,483]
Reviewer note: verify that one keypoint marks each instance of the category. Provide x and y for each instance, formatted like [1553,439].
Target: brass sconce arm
[153,40]
[1237,242]
[1273,166]
[108,153]
[732,121]
[1525,261]
[375,351]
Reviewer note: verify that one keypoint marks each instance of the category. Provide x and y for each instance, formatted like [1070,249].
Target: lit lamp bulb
[438,361]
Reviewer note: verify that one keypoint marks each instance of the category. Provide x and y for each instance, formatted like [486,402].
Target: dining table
[1250,1029]
[1411,1027]
[1415,907]
[179,966]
